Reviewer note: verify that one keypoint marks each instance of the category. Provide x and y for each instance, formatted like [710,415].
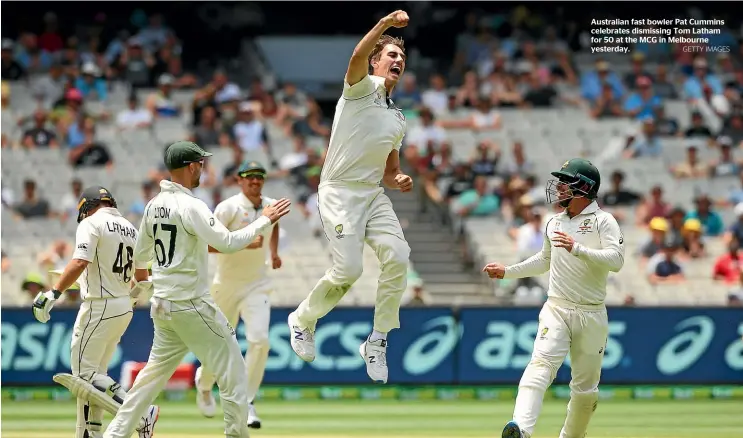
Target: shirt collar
[590,208]
[170,186]
[110,210]
[248,203]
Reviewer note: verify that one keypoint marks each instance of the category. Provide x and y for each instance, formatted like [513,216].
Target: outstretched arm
[535,265]
[358,66]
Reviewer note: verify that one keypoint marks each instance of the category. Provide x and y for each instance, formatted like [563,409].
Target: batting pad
[84,390]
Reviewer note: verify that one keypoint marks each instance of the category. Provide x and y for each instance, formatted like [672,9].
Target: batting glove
[43,304]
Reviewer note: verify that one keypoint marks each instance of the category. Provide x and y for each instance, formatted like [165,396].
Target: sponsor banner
[476,346]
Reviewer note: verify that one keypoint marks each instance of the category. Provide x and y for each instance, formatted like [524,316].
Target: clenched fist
[398,19]
[495,270]
[404,182]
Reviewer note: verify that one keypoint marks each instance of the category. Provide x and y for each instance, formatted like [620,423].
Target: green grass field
[405,419]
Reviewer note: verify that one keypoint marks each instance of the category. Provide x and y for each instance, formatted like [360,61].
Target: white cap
[245,107]
[738,210]
[165,79]
[90,69]
[228,93]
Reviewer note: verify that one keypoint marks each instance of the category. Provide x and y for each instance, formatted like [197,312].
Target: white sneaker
[375,356]
[148,430]
[254,421]
[205,399]
[302,339]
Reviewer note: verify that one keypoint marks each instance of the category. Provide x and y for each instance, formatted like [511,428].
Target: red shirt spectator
[728,266]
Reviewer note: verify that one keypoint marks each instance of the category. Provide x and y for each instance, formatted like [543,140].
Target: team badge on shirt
[585,227]
[543,334]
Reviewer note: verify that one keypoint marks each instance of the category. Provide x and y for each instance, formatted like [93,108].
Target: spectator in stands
[478,201]
[407,97]
[734,129]
[30,56]
[617,196]
[76,131]
[519,165]
[651,207]
[425,139]
[49,88]
[154,35]
[229,173]
[711,220]
[294,162]
[161,103]
[735,196]
[136,64]
[485,161]
[415,295]
[637,70]
[592,81]
[663,87]
[249,131]
[736,229]
[658,228]
[726,165]
[692,167]
[530,235]
[507,95]
[647,144]
[134,117]
[727,267]
[606,105]
[50,40]
[89,153]
[676,220]
[32,284]
[436,98]
[693,243]
[116,48]
[292,106]
[136,210]
[10,69]
[224,91]
[539,94]
[642,103]
[68,204]
[698,127]
[208,133]
[266,100]
[70,57]
[55,257]
[722,104]
[664,268]
[32,206]
[666,126]
[468,94]
[6,264]
[69,112]
[461,182]
[39,135]
[313,123]
[694,85]
[91,84]
[484,118]
[308,201]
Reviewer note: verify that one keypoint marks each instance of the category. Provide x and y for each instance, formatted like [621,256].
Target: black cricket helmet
[92,198]
[580,176]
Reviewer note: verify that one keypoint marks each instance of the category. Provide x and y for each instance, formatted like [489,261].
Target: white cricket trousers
[97,331]
[564,327]
[199,326]
[352,214]
[252,303]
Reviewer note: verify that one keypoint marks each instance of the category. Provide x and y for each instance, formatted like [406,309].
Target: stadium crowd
[72,77]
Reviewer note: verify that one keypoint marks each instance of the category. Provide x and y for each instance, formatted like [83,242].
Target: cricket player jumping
[241,286]
[179,228]
[103,261]
[364,149]
[582,245]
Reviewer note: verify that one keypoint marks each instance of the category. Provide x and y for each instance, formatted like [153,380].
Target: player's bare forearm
[274,242]
[141,274]
[389,179]
[71,273]
[358,66]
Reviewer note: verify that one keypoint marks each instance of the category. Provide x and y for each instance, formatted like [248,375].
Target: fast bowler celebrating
[177,228]
[582,245]
[364,149]
[241,286]
[103,261]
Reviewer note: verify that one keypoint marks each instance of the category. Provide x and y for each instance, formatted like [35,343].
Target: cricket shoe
[148,429]
[302,339]
[375,356]
[204,399]
[512,430]
[254,421]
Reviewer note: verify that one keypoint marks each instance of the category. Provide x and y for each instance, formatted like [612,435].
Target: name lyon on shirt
[162,213]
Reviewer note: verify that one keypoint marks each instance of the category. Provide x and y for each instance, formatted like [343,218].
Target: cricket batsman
[178,228]
[241,285]
[104,262]
[364,150]
[581,246]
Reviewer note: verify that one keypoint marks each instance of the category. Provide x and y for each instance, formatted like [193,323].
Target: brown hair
[384,40]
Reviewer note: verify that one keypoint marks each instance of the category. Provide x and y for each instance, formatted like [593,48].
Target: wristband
[56,294]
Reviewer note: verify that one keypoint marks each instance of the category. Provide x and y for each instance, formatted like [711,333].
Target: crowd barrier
[470,346]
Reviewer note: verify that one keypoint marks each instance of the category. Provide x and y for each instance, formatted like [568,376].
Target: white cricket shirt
[177,229]
[366,128]
[248,265]
[578,276]
[106,240]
